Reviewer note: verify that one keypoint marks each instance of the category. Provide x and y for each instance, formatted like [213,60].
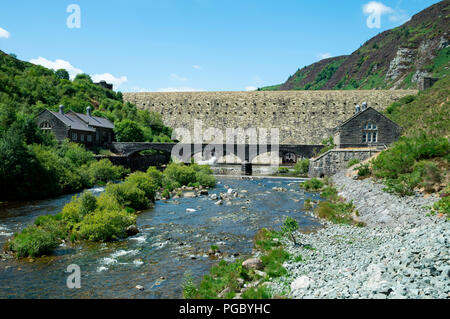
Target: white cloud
[251,88]
[4,34]
[197,67]
[375,10]
[324,55]
[58,64]
[177,77]
[109,78]
[180,89]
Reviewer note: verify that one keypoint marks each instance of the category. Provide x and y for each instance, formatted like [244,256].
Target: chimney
[61,109]
[357,108]
[364,106]
[88,111]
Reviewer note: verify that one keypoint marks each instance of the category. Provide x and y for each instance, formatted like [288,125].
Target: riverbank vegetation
[230,280]
[34,164]
[107,217]
[334,209]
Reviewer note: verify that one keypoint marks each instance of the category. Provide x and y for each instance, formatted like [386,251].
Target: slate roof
[94,121]
[72,121]
[337,128]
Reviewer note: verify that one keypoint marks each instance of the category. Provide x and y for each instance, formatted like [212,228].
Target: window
[45,125]
[370,133]
[74,136]
[82,137]
[89,138]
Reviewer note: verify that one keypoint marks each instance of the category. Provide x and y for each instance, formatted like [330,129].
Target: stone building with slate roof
[366,128]
[81,128]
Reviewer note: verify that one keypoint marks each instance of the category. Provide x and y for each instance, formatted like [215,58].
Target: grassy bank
[230,280]
[334,208]
[108,217]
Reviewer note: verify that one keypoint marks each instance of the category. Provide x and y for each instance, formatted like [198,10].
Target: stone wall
[303,117]
[334,160]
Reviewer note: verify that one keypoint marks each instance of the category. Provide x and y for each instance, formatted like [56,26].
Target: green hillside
[396,58]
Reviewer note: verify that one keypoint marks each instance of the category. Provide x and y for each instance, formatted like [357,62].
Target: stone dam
[302,117]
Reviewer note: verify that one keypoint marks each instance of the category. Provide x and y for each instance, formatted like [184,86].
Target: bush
[273,262]
[144,183]
[283,170]
[205,180]
[289,227]
[34,241]
[302,167]
[338,213]
[363,170]
[155,175]
[105,225]
[180,173]
[128,194]
[104,171]
[313,184]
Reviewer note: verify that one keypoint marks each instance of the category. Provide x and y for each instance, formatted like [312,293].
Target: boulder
[189,195]
[132,230]
[204,192]
[253,263]
[190,210]
[302,282]
[213,196]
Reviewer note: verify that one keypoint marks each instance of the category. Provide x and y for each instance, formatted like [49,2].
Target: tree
[62,74]
[129,131]
[289,227]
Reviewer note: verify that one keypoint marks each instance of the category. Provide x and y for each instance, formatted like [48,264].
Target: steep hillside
[396,58]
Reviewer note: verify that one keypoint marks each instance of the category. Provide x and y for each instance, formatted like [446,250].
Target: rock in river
[253,263]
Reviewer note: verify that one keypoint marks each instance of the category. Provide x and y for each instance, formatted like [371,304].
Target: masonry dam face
[302,117]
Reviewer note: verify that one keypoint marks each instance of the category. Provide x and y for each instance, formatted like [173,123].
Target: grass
[353,162]
[312,185]
[226,279]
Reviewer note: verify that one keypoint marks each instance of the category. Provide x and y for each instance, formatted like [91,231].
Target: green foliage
[283,170]
[401,167]
[273,262]
[363,170]
[104,171]
[338,213]
[105,225]
[177,175]
[290,225]
[128,131]
[442,206]
[189,289]
[353,162]
[34,241]
[312,185]
[328,145]
[265,240]
[301,168]
[128,195]
[155,175]
[145,183]
[257,293]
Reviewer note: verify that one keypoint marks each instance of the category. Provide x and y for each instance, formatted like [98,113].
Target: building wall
[303,117]
[334,160]
[58,128]
[351,133]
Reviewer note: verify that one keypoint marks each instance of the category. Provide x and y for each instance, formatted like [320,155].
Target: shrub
[105,171]
[205,180]
[443,206]
[144,183]
[88,203]
[128,194]
[289,227]
[264,240]
[180,173]
[313,184]
[273,262]
[155,175]
[105,225]
[34,241]
[283,170]
[189,289]
[363,170]
[165,194]
[257,293]
[302,167]
[338,213]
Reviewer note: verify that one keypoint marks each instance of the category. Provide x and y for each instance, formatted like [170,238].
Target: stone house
[81,128]
[366,128]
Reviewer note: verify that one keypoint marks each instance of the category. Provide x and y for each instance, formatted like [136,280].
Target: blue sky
[186,45]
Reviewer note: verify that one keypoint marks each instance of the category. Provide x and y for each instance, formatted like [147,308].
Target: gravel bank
[402,253]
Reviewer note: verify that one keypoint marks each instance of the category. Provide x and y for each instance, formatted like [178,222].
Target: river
[171,242]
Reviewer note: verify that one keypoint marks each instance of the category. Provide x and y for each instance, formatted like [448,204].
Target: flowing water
[171,242]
